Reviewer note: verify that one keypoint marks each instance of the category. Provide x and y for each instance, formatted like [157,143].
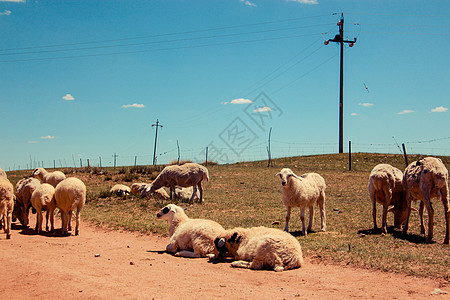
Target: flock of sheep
[254,248]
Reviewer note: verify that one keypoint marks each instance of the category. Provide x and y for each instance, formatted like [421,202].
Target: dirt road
[104,264]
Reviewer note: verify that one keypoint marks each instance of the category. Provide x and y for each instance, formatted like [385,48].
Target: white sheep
[386,188]
[24,189]
[70,194]
[43,198]
[52,178]
[120,189]
[6,205]
[424,180]
[303,191]
[259,247]
[3,174]
[143,189]
[189,237]
[184,194]
[185,175]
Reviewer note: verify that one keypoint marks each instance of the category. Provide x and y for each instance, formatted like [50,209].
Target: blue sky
[87,79]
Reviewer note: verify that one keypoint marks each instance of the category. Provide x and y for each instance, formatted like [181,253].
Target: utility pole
[156,138]
[339,38]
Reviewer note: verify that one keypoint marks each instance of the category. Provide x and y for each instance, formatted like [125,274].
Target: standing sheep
[424,180]
[259,247]
[6,205]
[70,194]
[386,188]
[189,237]
[24,189]
[185,175]
[43,198]
[52,178]
[303,192]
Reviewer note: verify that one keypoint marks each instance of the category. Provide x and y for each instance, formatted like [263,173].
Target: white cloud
[304,1]
[241,101]
[17,1]
[248,3]
[406,111]
[366,104]
[5,13]
[32,142]
[48,137]
[68,97]
[262,109]
[354,114]
[133,105]
[439,109]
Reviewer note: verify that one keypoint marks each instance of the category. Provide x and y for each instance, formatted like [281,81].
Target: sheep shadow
[397,234]
[298,233]
[158,251]
[220,260]
[56,233]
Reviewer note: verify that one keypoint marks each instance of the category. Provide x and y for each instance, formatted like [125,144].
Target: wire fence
[224,155]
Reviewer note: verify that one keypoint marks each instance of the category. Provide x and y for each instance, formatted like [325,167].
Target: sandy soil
[105,264]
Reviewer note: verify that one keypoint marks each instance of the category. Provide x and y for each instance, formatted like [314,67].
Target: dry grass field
[249,194]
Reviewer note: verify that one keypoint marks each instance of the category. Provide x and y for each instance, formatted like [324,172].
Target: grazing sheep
[120,189]
[189,237]
[52,178]
[70,194]
[386,188]
[43,198]
[3,174]
[424,180]
[303,191]
[6,205]
[24,189]
[259,247]
[143,190]
[185,175]
[184,194]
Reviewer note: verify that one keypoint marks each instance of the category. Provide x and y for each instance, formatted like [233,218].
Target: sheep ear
[413,209]
[298,177]
[390,209]
[233,238]
[278,174]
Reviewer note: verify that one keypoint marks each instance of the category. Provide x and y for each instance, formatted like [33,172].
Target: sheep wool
[386,188]
[259,248]
[303,191]
[70,194]
[189,237]
[6,205]
[424,180]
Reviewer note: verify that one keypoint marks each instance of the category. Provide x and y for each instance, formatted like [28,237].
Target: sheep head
[227,244]
[400,213]
[286,175]
[167,212]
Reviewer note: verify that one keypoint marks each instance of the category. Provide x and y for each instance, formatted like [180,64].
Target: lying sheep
[185,175]
[303,192]
[43,199]
[386,188]
[189,237]
[6,205]
[24,189]
[120,189]
[52,178]
[184,194]
[143,189]
[259,247]
[3,174]
[424,180]
[70,194]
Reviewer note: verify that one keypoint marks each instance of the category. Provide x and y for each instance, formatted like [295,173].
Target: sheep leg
[288,217]
[8,225]
[172,248]
[47,215]
[39,221]
[77,224]
[172,192]
[323,216]
[427,202]
[445,201]
[188,254]
[65,220]
[302,218]
[421,207]
[374,209]
[194,192]
[387,197]
[201,191]
[69,227]
[52,220]
[408,210]
[311,217]
[241,264]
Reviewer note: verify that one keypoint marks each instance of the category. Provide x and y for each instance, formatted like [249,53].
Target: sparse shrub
[182,162]
[104,193]
[129,177]
[122,171]
[108,177]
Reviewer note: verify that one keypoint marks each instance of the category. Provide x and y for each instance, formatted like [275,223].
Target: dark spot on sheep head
[163,212]
[235,239]
[221,246]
